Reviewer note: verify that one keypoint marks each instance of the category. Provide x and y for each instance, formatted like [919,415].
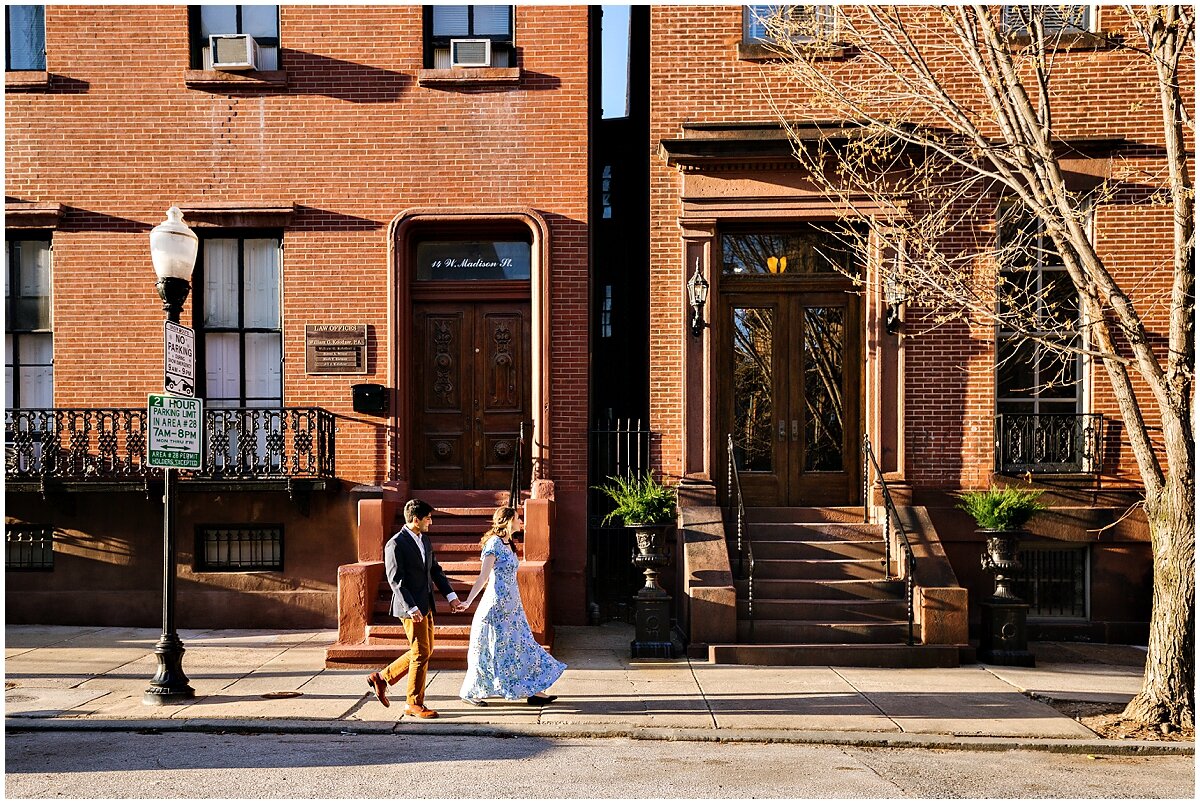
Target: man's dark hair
[416,509]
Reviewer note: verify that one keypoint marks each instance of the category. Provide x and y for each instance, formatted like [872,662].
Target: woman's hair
[500,520]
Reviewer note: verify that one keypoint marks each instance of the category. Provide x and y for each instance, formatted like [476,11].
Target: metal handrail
[745,551]
[514,491]
[890,515]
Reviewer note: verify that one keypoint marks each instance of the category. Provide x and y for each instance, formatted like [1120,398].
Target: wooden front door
[791,400]
[470,393]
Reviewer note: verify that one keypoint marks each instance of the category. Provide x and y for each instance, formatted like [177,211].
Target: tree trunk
[1168,692]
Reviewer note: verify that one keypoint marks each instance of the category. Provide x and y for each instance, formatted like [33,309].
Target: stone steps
[836,655]
[821,596]
[816,632]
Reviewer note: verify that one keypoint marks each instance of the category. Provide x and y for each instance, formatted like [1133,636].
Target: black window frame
[8,29]
[12,322]
[1044,265]
[499,41]
[203,531]
[197,42]
[198,293]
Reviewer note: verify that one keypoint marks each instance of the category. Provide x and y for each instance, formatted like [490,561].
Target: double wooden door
[791,366]
[471,392]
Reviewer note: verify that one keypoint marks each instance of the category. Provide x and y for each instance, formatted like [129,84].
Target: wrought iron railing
[1048,443]
[514,491]
[741,547]
[618,447]
[109,444]
[891,518]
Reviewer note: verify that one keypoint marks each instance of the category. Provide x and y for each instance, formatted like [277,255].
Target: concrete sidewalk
[66,677]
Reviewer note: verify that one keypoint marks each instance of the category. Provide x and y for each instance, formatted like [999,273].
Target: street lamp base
[170,684]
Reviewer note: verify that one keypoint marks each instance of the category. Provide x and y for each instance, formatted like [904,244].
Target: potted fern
[1001,514]
[640,501]
[646,506]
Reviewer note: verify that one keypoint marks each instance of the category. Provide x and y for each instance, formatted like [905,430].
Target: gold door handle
[782,430]
[795,429]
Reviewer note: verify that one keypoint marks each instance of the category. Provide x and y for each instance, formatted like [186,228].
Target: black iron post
[170,684]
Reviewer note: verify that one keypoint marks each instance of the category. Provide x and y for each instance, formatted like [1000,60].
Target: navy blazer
[412,580]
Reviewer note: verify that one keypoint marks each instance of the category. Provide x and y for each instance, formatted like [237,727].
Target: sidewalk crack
[703,697]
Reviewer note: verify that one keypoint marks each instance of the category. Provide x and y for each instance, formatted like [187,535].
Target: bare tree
[948,120]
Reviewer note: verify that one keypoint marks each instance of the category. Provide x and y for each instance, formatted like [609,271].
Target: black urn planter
[1003,637]
[652,617]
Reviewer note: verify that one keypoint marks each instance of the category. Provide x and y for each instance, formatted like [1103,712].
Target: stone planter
[999,559]
[1003,637]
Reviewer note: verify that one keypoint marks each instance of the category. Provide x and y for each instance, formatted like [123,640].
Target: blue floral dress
[503,658]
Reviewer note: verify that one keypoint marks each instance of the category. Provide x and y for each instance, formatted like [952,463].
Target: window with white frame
[1055,18]
[259,22]
[28,335]
[1035,373]
[805,23]
[477,36]
[241,343]
[25,37]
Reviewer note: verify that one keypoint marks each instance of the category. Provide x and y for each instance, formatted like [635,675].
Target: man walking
[412,572]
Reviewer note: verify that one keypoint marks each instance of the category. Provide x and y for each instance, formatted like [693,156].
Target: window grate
[239,548]
[28,547]
[1053,580]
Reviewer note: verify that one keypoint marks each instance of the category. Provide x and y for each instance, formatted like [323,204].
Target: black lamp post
[173,250]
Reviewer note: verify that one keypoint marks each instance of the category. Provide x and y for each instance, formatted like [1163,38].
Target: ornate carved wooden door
[470,392]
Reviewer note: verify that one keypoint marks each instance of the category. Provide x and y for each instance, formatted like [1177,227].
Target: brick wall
[352,140]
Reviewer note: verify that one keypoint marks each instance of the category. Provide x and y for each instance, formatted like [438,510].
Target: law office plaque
[335,348]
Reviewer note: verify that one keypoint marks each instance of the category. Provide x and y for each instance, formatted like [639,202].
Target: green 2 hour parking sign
[174,424]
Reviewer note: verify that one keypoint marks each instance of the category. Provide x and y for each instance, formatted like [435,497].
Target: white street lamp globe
[173,247]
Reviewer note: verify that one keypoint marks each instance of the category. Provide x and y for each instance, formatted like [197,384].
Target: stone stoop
[821,596]
[456,532]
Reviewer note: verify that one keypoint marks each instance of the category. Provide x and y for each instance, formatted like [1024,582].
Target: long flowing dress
[503,658]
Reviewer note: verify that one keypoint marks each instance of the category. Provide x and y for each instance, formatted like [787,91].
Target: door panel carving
[472,386]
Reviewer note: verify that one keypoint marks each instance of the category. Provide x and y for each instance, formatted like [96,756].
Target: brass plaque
[335,348]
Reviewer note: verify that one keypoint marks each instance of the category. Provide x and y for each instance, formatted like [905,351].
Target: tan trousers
[416,660]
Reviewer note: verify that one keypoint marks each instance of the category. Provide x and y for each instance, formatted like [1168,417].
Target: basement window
[239,548]
[28,547]
[1053,580]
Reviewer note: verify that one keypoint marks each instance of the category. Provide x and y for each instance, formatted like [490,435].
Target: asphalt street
[214,765]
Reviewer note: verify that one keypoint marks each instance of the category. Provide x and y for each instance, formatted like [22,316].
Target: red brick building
[360,176]
[726,191]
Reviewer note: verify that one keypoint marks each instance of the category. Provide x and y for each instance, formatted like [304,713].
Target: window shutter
[220,283]
[262,283]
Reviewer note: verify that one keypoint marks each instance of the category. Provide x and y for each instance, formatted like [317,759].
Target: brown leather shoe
[418,710]
[379,687]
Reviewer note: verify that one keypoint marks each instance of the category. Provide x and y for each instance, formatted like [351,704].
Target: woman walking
[503,658]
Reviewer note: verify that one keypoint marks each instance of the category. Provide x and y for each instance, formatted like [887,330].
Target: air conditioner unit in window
[233,52]
[470,53]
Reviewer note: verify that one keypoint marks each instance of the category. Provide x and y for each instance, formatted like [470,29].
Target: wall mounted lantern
[697,288]
[893,297]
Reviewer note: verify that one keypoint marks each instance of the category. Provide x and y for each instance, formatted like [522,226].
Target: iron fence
[109,444]
[619,447]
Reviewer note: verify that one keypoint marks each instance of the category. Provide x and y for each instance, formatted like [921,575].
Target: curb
[545,731]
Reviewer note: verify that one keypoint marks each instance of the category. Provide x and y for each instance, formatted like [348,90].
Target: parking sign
[174,424]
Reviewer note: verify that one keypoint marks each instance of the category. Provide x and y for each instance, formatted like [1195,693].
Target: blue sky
[614,61]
